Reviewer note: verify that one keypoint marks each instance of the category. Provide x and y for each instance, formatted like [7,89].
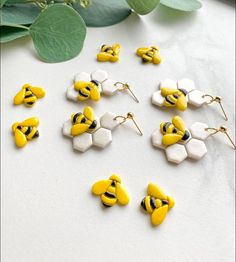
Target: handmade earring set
[178,142]
[156,202]
[147,54]
[28,129]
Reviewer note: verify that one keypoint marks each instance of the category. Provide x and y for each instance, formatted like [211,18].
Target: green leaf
[2,2]
[12,32]
[22,14]
[58,33]
[104,12]
[143,7]
[182,5]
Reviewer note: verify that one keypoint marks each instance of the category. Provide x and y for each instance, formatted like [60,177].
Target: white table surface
[48,212]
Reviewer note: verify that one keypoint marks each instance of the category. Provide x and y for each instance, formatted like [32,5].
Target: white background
[48,212]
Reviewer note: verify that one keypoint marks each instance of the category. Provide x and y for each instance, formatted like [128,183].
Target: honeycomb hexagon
[82,142]
[109,88]
[196,98]
[198,131]
[176,153]
[157,98]
[107,121]
[102,137]
[196,149]
[186,84]
[157,139]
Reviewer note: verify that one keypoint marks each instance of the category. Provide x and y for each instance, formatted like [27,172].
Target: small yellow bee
[157,204]
[174,132]
[87,90]
[111,191]
[28,95]
[149,54]
[109,53]
[83,122]
[174,98]
[25,131]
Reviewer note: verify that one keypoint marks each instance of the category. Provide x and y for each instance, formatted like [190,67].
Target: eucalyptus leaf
[104,12]
[58,33]
[2,2]
[143,7]
[22,14]
[12,32]
[182,5]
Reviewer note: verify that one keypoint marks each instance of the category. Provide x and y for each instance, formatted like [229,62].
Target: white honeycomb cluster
[107,86]
[194,96]
[194,147]
[100,137]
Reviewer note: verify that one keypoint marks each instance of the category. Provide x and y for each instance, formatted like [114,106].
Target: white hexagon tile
[194,147]
[100,137]
[184,87]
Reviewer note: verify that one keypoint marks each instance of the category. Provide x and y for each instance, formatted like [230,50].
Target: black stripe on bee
[93,125]
[95,82]
[175,130]
[105,205]
[186,135]
[183,91]
[169,101]
[165,202]
[143,204]
[75,117]
[30,103]
[113,184]
[28,130]
[107,194]
[166,125]
[152,203]
[30,95]
[175,96]
[36,134]
[145,60]
[107,49]
[83,120]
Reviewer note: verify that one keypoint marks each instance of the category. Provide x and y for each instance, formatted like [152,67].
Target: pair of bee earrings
[156,203]
[147,54]
[28,129]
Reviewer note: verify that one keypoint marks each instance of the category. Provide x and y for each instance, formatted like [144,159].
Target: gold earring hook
[124,86]
[223,130]
[129,116]
[217,99]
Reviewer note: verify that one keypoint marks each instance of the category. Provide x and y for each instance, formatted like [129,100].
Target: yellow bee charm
[28,95]
[157,204]
[109,53]
[149,54]
[25,131]
[174,132]
[82,122]
[88,90]
[174,98]
[111,191]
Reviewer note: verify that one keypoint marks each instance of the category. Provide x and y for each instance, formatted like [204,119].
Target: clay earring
[180,143]
[179,95]
[92,86]
[87,130]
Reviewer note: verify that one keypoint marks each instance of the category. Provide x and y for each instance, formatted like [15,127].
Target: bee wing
[116,49]
[20,138]
[142,50]
[178,123]
[38,91]
[33,121]
[78,129]
[165,91]
[170,139]
[155,191]
[159,215]
[95,94]
[19,97]
[181,103]
[101,186]
[103,57]
[89,113]
[121,194]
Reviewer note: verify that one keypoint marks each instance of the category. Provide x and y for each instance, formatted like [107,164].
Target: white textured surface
[82,142]
[196,98]
[196,149]
[102,138]
[108,121]
[198,130]
[48,212]
[176,153]
[108,87]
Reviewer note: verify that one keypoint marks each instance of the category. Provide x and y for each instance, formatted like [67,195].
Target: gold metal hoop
[124,86]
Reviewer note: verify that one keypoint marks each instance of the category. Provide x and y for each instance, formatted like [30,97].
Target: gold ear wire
[223,130]
[217,99]
[124,86]
[129,116]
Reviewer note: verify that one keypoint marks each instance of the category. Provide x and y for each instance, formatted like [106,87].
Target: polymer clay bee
[82,122]
[25,131]
[111,191]
[174,98]
[174,132]
[157,204]
[109,53]
[149,54]
[28,95]
[88,90]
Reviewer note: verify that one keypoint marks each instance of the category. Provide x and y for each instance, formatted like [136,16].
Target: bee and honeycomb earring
[180,143]
[92,86]
[179,94]
[87,130]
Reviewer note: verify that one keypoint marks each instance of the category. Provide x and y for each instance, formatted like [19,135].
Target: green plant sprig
[56,40]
